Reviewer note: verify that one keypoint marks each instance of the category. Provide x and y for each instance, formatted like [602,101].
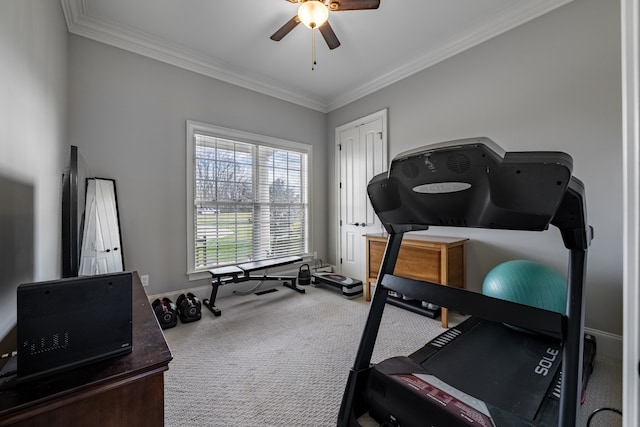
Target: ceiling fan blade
[339,5]
[329,36]
[285,29]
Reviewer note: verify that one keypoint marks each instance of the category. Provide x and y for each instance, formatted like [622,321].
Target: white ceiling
[229,40]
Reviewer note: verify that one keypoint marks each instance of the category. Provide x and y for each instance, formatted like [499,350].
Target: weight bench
[242,273]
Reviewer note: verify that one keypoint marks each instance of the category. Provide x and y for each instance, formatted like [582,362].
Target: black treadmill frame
[570,218]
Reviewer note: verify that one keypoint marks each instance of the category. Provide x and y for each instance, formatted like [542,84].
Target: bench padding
[268,263]
[228,271]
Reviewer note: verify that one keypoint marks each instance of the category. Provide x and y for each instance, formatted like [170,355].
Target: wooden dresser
[123,391]
[435,259]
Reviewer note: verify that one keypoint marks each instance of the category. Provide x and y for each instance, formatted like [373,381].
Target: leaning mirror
[101,240]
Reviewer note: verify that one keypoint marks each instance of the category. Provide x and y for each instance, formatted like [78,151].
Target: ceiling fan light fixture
[313,13]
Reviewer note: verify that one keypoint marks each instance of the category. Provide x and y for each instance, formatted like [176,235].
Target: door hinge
[340,261]
[340,223]
[339,147]
[340,186]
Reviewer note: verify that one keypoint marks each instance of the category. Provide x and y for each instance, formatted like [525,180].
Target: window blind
[250,202]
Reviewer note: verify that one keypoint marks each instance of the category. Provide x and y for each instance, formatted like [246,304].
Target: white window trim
[194,127]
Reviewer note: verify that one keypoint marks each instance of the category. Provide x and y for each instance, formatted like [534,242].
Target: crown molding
[80,22]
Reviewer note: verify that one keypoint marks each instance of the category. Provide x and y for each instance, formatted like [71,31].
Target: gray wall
[127,116]
[33,120]
[551,84]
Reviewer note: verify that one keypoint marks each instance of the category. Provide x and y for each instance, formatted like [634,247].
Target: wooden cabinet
[124,391]
[431,258]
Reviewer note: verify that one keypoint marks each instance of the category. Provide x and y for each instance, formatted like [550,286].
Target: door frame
[630,27]
[381,114]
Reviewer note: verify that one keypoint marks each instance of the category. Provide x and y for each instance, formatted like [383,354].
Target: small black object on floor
[189,308]
[304,275]
[429,310]
[166,312]
[266,291]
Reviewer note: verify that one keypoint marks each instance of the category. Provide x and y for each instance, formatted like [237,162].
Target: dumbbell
[166,312]
[189,307]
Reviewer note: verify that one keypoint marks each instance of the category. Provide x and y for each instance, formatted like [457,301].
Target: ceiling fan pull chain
[313,49]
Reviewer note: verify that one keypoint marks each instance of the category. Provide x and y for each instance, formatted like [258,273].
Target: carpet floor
[282,359]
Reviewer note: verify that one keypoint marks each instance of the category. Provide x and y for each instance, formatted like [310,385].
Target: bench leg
[293,286]
[211,302]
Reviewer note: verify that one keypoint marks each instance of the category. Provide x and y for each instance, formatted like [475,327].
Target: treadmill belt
[500,365]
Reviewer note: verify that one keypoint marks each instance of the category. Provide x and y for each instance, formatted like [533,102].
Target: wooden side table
[435,259]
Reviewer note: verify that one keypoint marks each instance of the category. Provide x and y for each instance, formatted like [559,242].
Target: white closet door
[101,246]
[363,154]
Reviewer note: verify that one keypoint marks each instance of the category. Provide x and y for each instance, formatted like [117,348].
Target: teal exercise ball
[527,282]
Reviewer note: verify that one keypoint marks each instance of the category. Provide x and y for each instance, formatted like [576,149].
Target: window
[247,197]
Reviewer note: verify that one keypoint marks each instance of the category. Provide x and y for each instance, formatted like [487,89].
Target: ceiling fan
[315,14]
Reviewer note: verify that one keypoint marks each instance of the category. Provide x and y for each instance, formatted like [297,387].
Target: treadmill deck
[488,371]
[493,362]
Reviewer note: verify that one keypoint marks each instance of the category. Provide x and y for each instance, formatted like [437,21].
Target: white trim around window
[247,197]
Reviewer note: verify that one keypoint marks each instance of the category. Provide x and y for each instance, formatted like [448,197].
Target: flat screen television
[17,260]
[67,323]
[74,184]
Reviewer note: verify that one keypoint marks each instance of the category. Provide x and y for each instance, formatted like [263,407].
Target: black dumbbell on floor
[166,312]
[189,308]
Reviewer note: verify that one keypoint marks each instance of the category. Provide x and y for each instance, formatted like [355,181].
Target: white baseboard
[200,291]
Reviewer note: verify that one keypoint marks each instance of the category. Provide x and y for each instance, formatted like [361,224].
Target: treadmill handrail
[533,319]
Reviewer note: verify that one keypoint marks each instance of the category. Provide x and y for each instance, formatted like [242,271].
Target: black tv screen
[17,243]
[73,201]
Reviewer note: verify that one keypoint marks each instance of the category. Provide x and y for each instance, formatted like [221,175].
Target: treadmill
[508,365]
